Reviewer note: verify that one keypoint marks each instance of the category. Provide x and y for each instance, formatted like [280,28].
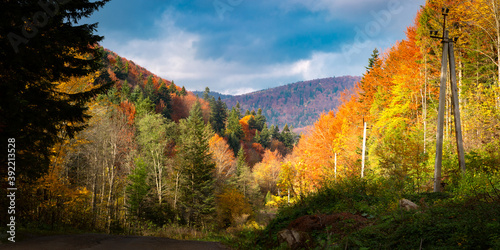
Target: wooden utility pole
[448,53]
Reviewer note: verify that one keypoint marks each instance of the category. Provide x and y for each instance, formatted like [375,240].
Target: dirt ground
[104,242]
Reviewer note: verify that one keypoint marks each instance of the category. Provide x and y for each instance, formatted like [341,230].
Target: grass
[466,217]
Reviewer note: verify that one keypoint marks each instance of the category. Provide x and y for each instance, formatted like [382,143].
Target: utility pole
[448,53]
[364,152]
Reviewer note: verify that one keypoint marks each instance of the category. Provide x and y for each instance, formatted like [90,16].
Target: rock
[407,204]
[294,239]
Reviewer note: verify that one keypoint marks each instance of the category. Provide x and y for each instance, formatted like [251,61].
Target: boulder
[407,204]
[294,239]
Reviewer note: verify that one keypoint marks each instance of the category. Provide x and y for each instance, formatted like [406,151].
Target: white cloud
[173,55]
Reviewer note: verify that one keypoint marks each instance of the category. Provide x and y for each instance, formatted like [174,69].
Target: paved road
[105,242]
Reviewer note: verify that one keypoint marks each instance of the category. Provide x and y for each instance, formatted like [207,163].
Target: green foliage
[243,178]
[287,137]
[260,120]
[164,96]
[197,169]
[218,116]
[125,91]
[468,217]
[149,90]
[264,137]
[183,91]
[138,188]
[144,106]
[234,131]
[136,94]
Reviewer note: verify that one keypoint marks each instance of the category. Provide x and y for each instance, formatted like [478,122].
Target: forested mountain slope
[298,104]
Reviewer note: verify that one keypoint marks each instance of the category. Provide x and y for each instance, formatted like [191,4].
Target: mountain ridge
[297,104]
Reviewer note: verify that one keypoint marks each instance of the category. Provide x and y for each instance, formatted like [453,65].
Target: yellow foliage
[232,207]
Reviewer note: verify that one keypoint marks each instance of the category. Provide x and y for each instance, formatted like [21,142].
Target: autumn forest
[104,145]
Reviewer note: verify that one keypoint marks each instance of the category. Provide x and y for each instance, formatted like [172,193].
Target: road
[104,242]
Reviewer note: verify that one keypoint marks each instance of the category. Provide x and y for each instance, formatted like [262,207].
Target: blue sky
[240,46]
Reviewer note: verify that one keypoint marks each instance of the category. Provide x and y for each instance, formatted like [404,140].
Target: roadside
[104,241]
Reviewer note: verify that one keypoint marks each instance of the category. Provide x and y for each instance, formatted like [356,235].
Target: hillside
[298,104]
[132,79]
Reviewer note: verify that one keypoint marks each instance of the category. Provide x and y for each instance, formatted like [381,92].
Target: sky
[241,46]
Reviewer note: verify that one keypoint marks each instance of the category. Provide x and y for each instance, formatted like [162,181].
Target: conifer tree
[243,179]
[287,137]
[119,63]
[218,116]
[372,60]
[149,90]
[275,132]
[136,94]
[164,95]
[197,168]
[35,55]
[172,88]
[125,91]
[260,120]
[183,91]
[126,68]
[234,131]
[265,137]
[206,93]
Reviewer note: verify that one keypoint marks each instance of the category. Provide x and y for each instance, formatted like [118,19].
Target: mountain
[216,95]
[132,80]
[297,104]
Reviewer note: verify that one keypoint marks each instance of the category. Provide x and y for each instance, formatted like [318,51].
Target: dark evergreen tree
[218,116]
[238,109]
[264,137]
[206,94]
[234,131]
[275,132]
[287,137]
[372,60]
[136,94]
[173,88]
[252,124]
[197,169]
[243,179]
[149,90]
[125,70]
[111,96]
[183,91]
[260,120]
[118,64]
[125,91]
[164,95]
[35,54]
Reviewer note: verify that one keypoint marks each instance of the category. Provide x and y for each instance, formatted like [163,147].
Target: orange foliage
[390,89]
[181,105]
[249,133]
[128,109]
